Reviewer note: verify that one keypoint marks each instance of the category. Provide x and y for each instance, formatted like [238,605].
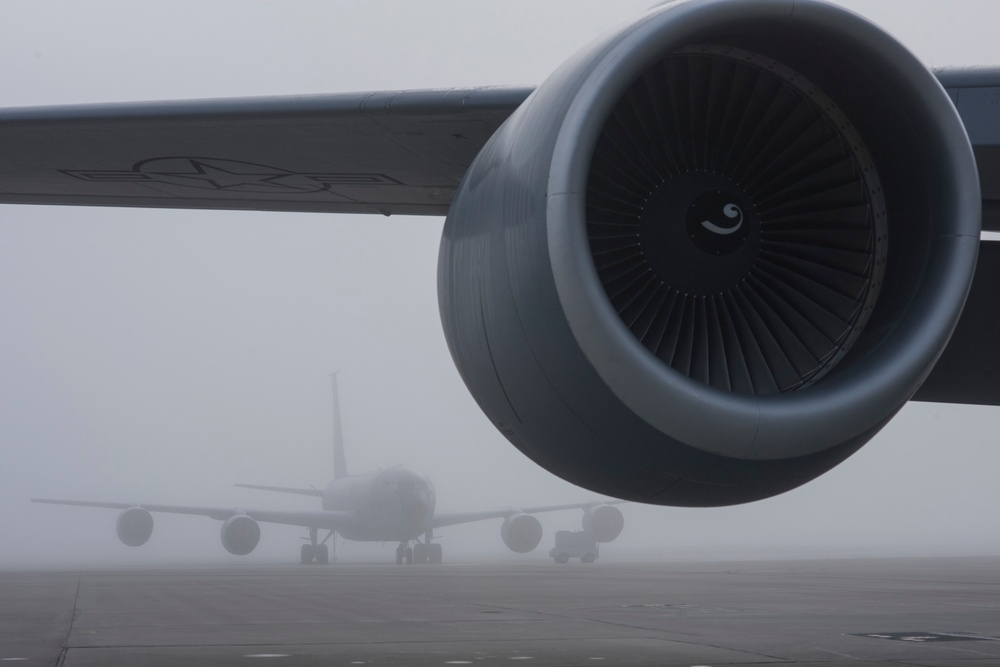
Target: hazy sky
[157,356]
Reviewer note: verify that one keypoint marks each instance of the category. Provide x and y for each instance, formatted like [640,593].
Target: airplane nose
[415,505]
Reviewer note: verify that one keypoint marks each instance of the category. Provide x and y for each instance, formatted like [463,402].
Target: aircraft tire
[307,554]
[420,553]
[562,558]
[399,555]
[588,558]
[322,553]
[409,556]
[436,555]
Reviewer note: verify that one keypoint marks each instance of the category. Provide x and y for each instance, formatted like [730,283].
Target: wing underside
[442,519]
[387,153]
[316,493]
[318,519]
[969,369]
[383,152]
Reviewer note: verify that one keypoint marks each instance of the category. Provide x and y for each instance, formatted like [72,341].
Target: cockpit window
[407,484]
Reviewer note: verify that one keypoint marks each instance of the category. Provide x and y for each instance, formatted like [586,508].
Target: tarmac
[918,611]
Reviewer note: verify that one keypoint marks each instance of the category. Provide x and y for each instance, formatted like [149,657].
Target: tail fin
[339,463]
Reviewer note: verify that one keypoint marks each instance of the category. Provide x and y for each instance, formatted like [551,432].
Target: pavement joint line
[72,620]
[564,616]
[965,635]
[396,642]
[812,623]
[958,649]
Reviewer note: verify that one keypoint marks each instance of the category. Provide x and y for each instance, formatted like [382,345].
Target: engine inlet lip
[821,416]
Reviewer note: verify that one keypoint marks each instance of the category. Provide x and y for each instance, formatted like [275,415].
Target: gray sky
[158,356]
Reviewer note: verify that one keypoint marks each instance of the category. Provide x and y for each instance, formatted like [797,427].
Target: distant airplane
[703,263]
[392,505]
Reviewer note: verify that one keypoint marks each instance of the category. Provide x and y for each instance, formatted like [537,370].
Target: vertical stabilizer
[339,463]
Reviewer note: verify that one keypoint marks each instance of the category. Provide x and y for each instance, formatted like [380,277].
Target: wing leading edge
[968,371]
[399,152]
[442,519]
[386,152]
[320,519]
[389,153]
[316,493]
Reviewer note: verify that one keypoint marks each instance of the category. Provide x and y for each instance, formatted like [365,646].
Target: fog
[161,356]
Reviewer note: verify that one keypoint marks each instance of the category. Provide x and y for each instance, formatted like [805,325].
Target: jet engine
[714,253]
[134,526]
[604,522]
[521,532]
[240,534]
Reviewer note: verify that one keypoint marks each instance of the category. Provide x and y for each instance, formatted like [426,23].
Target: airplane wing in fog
[442,519]
[388,152]
[701,264]
[317,493]
[314,519]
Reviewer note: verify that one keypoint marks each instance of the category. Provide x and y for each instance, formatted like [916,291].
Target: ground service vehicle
[575,544]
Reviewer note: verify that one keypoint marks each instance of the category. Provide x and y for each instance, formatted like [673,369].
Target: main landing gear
[421,552]
[426,553]
[317,552]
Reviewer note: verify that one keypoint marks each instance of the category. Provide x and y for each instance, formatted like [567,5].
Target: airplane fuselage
[391,505]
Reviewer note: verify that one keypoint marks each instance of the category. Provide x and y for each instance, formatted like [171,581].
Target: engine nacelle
[604,522]
[714,253]
[240,534]
[134,526]
[521,533]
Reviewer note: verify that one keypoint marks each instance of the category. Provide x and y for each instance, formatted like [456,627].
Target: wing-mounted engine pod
[714,253]
[746,249]
[604,522]
[134,526]
[240,534]
[521,533]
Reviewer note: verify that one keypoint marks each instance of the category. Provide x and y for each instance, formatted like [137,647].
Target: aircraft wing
[385,152]
[396,152]
[442,519]
[408,152]
[315,519]
[317,493]
[967,371]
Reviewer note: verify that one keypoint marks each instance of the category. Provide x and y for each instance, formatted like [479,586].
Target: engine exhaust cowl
[134,526]
[604,522]
[240,534]
[714,253]
[521,533]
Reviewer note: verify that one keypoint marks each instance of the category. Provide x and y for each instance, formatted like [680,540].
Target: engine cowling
[134,526]
[604,522]
[521,533]
[240,534]
[714,253]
